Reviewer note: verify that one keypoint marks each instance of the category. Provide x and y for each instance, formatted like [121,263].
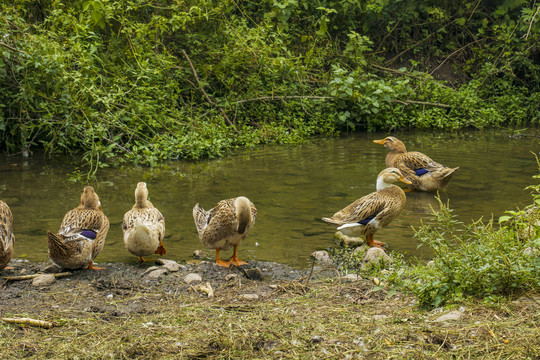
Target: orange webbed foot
[222,263]
[91,266]
[237,262]
[378,244]
[141,259]
[161,249]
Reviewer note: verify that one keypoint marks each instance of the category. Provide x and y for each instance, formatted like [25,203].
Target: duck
[374,211]
[7,239]
[225,225]
[143,226]
[81,236]
[424,173]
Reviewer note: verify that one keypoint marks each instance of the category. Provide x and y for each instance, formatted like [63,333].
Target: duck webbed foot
[91,266]
[374,243]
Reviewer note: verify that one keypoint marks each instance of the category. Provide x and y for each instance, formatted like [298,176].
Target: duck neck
[397,149]
[390,158]
[140,199]
[381,184]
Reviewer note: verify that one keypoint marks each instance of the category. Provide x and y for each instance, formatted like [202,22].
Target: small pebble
[43,280]
[199,254]
[250,296]
[192,277]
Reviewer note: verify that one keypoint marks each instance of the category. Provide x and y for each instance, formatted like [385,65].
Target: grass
[327,319]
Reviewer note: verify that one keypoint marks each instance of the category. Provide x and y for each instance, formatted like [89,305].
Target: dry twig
[32,322]
[27,277]
[206,96]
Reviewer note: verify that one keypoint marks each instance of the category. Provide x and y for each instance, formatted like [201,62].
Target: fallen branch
[407,102]
[275,98]
[526,36]
[27,277]
[32,322]
[12,48]
[207,97]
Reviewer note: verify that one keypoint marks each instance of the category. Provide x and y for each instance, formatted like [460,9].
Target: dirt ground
[124,312]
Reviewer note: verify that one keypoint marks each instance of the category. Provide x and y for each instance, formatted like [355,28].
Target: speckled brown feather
[69,249]
[384,205]
[438,175]
[7,239]
[218,227]
[150,217]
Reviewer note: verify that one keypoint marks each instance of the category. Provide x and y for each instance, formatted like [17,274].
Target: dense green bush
[475,261]
[143,81]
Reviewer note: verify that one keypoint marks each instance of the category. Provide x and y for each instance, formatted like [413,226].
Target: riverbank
[128,312]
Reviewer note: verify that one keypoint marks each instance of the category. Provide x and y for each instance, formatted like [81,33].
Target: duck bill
[381,142]
[406,181]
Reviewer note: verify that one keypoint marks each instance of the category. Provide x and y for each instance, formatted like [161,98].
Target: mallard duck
[143,226]
[424,173]
[225,225]
[82,234]
[370,213]
[7,239]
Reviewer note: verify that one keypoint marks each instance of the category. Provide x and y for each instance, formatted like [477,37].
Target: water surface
[291,187]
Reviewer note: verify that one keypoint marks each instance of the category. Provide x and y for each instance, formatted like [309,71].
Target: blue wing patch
[91,234]
[420,172]
[366,220]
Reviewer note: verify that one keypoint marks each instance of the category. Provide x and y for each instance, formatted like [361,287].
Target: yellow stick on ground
[31,322]
[26,277]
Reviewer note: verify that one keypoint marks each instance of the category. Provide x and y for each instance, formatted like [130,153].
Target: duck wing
[7,239]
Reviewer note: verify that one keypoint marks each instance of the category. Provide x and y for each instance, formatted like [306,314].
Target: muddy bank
[91,289]
[198,310]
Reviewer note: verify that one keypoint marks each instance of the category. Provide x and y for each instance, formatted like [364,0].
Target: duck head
[89,198]
[389,176]
[392,144]
[141,194]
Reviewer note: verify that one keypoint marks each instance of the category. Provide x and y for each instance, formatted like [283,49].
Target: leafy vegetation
[142,81]
[478,261]
[471,261]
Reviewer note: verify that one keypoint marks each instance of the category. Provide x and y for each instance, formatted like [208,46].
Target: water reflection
[291,187]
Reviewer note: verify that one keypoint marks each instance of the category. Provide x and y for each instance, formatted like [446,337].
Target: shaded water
[291,187]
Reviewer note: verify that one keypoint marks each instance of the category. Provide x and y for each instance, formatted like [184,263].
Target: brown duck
[143,226]
[424,173]
[376,210]
[82,234]
[7,239]
[225,225]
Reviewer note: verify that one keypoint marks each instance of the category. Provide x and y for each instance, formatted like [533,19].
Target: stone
[321,257]
[528,251]
[52,269]
[205,288]
[361,249]
[345,240]
[199,254]
[169,265]
[253,273]
[192,277]
[250,296]
[452,315]
[379,317]
[150,269]
[231,277]
[352,277]
[375,256]
[43,280]
[156,273]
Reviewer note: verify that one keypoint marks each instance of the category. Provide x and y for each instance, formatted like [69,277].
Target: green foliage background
[146,80]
